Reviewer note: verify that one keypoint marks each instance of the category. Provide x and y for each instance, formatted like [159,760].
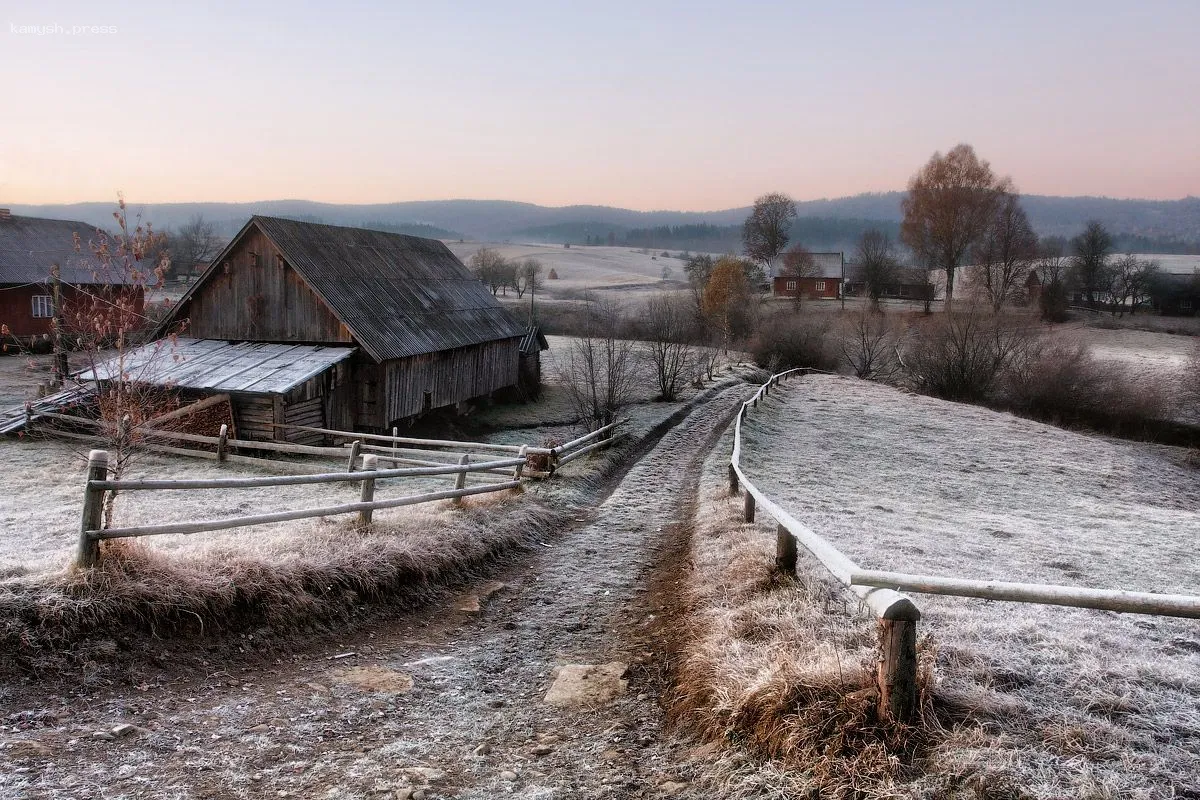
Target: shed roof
[29,246]
[213,364]
[399,295]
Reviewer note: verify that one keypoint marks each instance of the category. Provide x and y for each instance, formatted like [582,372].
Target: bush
[786,341]
[1053,302]
[963,355]
[1062,383]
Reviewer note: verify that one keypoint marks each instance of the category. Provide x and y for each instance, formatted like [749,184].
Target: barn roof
[29,246]
[398,295]
[213,364]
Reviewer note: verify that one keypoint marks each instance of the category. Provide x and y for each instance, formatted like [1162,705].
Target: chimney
[4,214]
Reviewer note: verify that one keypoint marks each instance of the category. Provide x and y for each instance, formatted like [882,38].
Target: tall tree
[1007,252]
[1090,269]
[726,296]
[1131,282]
[798,263]
[1053,300]
[492,269]
[949,205]
[877,258]
[765,231]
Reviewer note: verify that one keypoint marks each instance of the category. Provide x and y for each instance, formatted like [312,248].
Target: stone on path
[587,684]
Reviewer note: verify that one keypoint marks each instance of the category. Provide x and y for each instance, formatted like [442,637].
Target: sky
[647,105]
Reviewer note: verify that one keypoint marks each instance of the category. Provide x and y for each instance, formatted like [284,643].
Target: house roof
[825,265]
[214,364]
[29,246]
[398,295]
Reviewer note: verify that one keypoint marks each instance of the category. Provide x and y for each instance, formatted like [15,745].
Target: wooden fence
[897,614]
[512,464]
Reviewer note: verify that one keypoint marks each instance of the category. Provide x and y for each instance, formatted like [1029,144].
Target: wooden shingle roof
[398,295]
[29,246]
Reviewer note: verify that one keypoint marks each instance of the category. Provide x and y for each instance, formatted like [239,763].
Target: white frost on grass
[1071,700]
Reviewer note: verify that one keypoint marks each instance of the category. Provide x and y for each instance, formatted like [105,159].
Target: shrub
[787,341]
[1061,382]
[1053,301]
[868,345]
[963,355]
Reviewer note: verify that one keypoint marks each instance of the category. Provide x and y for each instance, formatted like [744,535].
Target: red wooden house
[823,279]
[29,248]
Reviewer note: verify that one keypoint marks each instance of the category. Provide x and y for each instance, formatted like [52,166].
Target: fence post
[93,509]
[395,443]
[733,480]
[222,442]
[785,551]
[355,446]
[460,480]
[897,669]
[28,417]
[748,507]
[520,469]
[368,488]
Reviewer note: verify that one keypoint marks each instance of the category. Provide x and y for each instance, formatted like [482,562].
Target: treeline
[818,233]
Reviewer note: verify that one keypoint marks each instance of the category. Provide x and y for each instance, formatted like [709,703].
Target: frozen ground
[1149,352]
[1065,699]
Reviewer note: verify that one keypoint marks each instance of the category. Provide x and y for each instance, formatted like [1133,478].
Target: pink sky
[644,105]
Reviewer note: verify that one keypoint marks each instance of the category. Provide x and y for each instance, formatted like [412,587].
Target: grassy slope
[1040,701]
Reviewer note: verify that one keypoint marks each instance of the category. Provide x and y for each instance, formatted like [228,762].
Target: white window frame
[820,286]
[43,306]
[791,286]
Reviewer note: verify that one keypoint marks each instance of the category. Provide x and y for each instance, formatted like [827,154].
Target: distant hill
[1141,225]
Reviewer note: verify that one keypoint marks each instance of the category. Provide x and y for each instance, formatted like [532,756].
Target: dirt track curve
[445,703]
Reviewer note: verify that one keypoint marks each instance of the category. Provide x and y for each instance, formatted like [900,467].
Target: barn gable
[397,296]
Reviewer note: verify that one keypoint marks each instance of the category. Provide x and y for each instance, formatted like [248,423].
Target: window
[1185,305]
[791,286]
[43,306]
[820,286]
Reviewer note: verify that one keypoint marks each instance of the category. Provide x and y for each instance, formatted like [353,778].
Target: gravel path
[449,703]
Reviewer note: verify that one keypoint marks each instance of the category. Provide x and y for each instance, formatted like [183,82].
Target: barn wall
[260,300]
[448,377]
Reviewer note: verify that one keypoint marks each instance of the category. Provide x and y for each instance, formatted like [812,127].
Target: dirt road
[447,703]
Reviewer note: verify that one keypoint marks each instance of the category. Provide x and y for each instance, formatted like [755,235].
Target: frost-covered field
[1067,699]
[1153,353]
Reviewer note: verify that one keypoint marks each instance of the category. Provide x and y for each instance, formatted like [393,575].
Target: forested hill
[1163,226]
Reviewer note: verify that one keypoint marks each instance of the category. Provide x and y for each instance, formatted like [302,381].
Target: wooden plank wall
[449,376]
[253,414]
[260,299]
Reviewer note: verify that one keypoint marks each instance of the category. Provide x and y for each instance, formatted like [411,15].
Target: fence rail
[881,591]
[514,467]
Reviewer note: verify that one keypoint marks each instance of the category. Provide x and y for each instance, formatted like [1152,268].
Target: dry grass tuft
[783,669]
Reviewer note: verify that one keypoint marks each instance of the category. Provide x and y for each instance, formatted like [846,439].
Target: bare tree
[1052,275]
[491,268]
[598,369]
[877,258]
[869,344]
[765,231]
[1007,252]
[108,324]
[528,276]
[949,205]
[1132,280]
[798,263]
[668,328]
[1090,270]
[195,242]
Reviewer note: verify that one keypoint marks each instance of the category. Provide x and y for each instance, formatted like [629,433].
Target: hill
[1141,225]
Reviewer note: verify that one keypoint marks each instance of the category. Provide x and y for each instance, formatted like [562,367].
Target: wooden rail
[897,614]
[92,532]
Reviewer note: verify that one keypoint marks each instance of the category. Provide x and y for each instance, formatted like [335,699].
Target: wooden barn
[387,327]
[29,248]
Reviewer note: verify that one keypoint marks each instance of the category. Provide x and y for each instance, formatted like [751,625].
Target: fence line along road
[897,614]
